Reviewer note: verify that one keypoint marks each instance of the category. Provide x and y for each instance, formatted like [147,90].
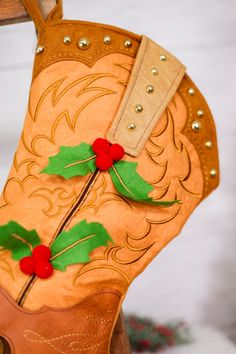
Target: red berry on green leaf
[100,146]
[43,269]
[116,151]
[27,265]
[41,252]
[103,162]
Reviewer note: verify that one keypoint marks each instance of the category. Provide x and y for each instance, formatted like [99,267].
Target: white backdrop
[194,277]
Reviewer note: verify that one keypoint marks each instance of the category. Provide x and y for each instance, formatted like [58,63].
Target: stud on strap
[154,79]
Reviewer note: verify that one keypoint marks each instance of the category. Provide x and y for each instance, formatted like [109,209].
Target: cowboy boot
[117,149]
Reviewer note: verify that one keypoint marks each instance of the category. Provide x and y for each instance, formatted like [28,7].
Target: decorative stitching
[77,57]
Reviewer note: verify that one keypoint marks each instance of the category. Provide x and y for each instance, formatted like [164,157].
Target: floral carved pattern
[4,265]
[85,91]
[59,199]
[168,163]
[60,108]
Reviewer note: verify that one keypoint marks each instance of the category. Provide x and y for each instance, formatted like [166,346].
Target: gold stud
[107,39]
[67,40]
[83,43]
[191,91]
[163,58]
[131,126]
[149,89]
[128,43]
[196,126]
[213,173]
[39,49]
[138,108]
[154,71]
[208,144]
[200,113]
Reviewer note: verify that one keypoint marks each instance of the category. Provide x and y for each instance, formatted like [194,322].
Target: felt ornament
[27,265]
[72,161]
[70,247]
[43,269]
[42,252]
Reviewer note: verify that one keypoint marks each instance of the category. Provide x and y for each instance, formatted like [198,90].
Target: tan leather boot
[96,81]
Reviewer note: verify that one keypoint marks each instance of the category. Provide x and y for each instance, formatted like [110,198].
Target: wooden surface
[13,11]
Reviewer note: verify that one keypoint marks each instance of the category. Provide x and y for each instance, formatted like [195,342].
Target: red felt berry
[116,152]
[104,162]
[43,269]
[27,265]
[100,146]
[41,252]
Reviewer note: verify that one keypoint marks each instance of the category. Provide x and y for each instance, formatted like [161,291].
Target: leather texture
[74,100]
[35,332]
[169,75]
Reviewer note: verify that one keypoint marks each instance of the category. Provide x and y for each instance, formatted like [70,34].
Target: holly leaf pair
[72,161]
[70,247]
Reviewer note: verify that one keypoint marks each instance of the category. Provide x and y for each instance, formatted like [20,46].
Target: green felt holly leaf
[130,184]
[72,161]
[75,245]
[18,240]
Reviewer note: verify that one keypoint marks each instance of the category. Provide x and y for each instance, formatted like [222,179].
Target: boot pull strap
[35,13]
[57,12]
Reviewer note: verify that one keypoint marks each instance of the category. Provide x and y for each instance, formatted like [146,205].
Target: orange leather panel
[85,327]
[68,103]
[73,98]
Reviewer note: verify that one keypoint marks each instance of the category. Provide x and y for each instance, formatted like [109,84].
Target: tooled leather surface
[68,103]
[55,50]
[171,164]
[66,109]
[83,328]
[208,157]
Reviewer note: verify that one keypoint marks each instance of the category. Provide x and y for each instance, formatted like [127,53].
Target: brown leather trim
[194,103]
[55,50]
[86,326]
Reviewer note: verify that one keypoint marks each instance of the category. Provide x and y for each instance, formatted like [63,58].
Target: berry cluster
[106,153]
[38,263]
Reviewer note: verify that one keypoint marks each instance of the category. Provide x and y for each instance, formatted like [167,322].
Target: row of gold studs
[149,89]
[196,127]
[84,43]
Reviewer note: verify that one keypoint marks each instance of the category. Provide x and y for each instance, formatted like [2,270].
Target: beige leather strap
[154,79]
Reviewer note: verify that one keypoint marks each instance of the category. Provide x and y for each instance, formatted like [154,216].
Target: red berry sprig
[39,263]
[106,153]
